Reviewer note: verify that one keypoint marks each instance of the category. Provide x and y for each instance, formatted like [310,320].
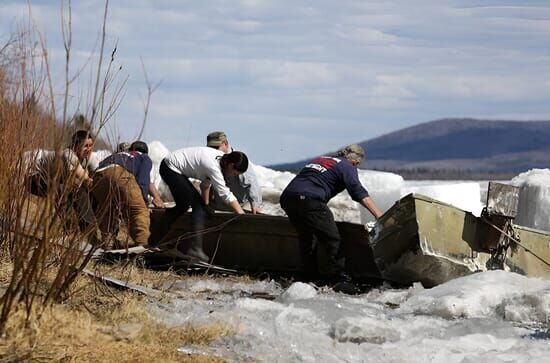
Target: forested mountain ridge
[457,148]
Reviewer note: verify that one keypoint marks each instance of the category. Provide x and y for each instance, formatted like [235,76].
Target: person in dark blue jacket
[121,189]
[305,202]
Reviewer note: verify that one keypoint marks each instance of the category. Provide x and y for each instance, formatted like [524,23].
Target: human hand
[158,202]
[88,182]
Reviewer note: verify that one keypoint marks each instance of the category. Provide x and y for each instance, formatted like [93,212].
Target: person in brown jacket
[121,185]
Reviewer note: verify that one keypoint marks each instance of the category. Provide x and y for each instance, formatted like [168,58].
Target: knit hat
[216,138]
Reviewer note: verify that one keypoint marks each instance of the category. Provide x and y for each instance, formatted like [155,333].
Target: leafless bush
[37,233]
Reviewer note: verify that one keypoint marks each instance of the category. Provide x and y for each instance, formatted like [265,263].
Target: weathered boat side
[533,256]
[422,239]
[259,243]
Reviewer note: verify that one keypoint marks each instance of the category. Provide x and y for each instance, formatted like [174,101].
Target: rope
[188,235]
[215,252]
[517,242]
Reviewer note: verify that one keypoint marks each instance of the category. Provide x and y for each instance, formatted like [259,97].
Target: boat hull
[425,240]
[262,243]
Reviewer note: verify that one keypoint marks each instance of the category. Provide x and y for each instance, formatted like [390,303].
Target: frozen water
[96,157]
[157,152]
[488,294]
[464,195]
[534,199]
[489,316]
[299,290]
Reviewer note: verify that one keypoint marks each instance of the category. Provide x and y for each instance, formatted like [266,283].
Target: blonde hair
[353,152]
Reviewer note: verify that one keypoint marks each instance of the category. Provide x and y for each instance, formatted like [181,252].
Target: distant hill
[457,149]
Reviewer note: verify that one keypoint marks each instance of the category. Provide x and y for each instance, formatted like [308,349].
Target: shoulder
[209,154]
[69,155]
[347,167]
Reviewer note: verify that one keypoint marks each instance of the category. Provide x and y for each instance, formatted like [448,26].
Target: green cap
[215,138]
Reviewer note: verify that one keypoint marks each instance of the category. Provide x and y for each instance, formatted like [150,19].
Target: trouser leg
[178,184]
[107,199]
[314,221]
[131,200]
[326,231]
[306,243]
[87,222]
[295,211]
[186,195]
[83,208]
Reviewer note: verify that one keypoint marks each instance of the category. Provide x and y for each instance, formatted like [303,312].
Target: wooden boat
[263,243]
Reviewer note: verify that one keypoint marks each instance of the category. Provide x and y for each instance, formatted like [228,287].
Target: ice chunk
[384,188]
[157,152]
[465,196]
[529,308]
[534,199]
[96,157]
[490,293]
[363,330]
[299,290]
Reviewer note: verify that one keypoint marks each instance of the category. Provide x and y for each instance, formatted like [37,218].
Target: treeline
[423,173]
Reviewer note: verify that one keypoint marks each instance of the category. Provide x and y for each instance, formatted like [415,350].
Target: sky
[289,79]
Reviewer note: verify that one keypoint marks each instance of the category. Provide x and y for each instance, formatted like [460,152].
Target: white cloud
[364,35]
[306,68]
[293,74]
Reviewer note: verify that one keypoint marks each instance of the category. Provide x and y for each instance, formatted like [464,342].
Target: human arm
[82,177]
[253,191]
[350,178]
[236,207]
[157,200]
[143,174]
[205,192]
[80,174]
[368,203]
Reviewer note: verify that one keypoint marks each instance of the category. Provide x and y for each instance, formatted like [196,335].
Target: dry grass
[49,310]
[101,324]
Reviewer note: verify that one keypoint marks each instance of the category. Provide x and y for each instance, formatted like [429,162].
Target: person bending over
[63,174]
[121,191]
[245,186]
[305,202]
[209,166]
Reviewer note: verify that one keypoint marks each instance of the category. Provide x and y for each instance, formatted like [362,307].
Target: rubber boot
[195,250]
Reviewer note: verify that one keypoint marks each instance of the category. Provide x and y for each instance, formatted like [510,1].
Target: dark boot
[195,250]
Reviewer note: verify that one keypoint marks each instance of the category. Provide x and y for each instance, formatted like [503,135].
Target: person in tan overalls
[121,184]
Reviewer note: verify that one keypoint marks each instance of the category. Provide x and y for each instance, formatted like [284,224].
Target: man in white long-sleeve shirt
[245,186]
[209,166]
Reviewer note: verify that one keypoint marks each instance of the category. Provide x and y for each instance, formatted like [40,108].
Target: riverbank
[100,323]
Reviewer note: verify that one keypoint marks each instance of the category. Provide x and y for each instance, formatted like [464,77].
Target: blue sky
[292,79]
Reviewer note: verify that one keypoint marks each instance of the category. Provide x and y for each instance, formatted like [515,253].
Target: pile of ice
[488,316]
[496,293]
[463,195]
[157,152]
[97,157]
[534,199]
